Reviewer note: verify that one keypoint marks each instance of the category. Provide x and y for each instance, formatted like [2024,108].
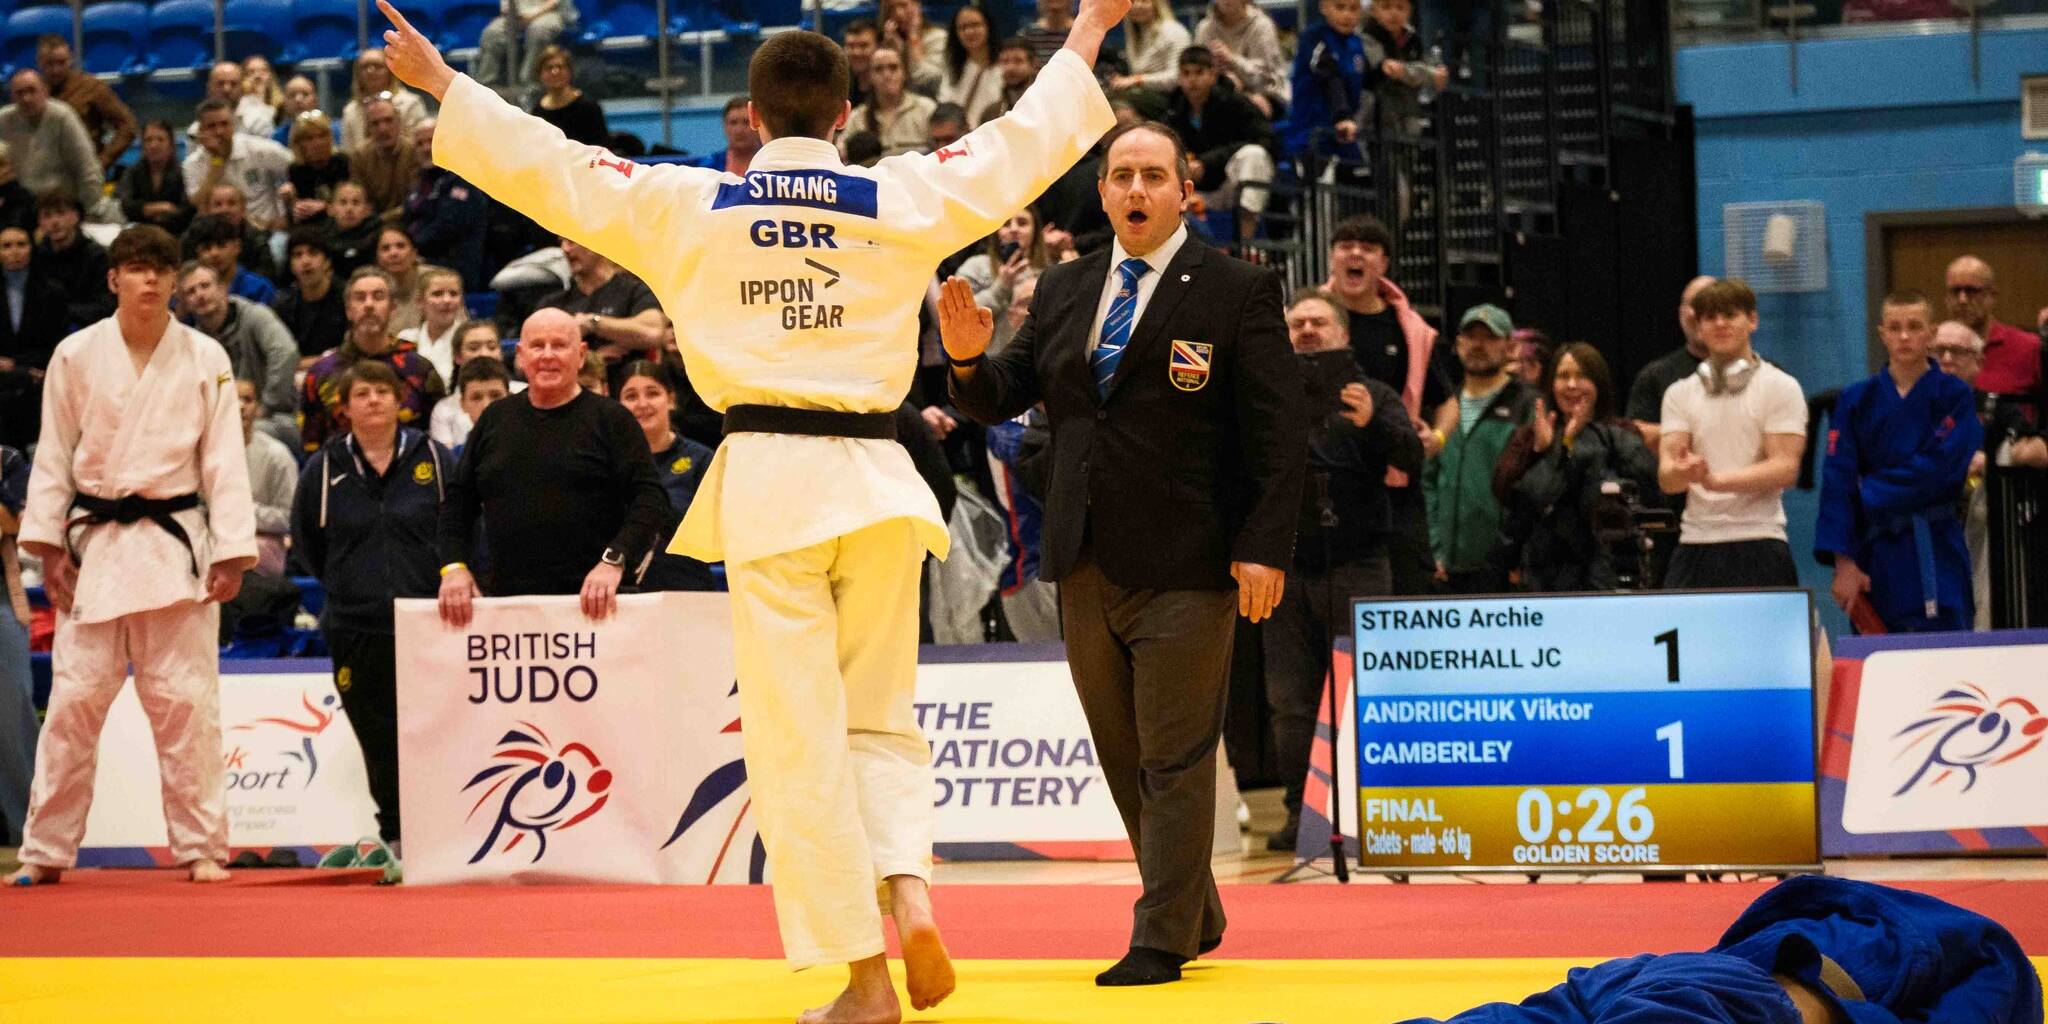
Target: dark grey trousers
[1152,668]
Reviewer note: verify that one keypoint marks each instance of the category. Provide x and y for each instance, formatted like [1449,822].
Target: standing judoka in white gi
[139,507]
[796,292]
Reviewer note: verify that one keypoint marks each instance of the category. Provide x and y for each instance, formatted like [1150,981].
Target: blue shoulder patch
[816,190]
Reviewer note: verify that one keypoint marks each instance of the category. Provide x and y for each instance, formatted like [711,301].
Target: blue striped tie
[1116,327]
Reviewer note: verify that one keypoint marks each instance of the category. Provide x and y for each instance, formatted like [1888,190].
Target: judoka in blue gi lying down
[1814,950]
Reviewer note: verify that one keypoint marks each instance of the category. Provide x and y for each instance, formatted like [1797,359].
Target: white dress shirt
[1157,259]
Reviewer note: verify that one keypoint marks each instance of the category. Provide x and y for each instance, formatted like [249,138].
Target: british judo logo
[1965,731]
[718,789]
[538,788]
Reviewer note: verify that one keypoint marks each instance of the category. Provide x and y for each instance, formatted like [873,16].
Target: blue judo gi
[1891,496]
[1879,955]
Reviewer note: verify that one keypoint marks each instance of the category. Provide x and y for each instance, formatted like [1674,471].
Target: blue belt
[1921,522]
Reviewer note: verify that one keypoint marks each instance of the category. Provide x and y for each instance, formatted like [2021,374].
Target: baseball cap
[1495,318]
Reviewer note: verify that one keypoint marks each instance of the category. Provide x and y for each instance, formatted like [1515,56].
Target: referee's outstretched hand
[964,328]
[412,58]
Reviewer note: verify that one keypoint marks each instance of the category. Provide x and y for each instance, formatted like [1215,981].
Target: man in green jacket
[1457,485]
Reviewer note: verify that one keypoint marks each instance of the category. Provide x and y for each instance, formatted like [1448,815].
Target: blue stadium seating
[463,21]
[322,29]
[115,33]
[18,39]
[612,19]
[256,26]
[180,34]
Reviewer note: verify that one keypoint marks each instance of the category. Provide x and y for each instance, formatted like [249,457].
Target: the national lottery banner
[1013,763]
[294,772]
[537,745]
[1585,733]
[1935,744]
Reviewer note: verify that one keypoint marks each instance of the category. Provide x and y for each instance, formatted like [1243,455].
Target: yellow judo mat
[300,990]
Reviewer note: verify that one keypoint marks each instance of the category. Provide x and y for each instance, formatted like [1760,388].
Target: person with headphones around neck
[1733,433]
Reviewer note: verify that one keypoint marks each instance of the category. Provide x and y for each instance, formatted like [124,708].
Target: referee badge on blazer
[1187,366]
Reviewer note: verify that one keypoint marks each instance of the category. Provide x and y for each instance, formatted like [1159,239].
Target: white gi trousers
[176,654]
[825,638]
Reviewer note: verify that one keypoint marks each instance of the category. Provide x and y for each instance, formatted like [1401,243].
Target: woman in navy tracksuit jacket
[370,537]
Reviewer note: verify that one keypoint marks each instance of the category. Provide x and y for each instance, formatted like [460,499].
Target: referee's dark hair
[798,84]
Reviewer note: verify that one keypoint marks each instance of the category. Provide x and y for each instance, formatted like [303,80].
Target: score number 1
[1673,734]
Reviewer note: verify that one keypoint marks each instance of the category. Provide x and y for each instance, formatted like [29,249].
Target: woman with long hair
[1549,478]
[152,189]
[1017,248]
[399,257]
[970,78]
[648,392]
[1153,40]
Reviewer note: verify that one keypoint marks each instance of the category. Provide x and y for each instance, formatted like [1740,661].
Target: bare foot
[870,998]
[33,875]
[206,871]
[927,969]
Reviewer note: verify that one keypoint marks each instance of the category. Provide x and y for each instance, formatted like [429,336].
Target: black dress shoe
[1143,966]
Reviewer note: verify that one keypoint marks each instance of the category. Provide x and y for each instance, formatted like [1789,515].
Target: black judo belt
[775,419]
[94,511]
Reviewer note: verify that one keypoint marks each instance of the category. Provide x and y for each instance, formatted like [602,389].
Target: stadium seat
[180,34]
[256,26]
[322,29]
[114,36]
[18,39]
[613,19]
[463,21]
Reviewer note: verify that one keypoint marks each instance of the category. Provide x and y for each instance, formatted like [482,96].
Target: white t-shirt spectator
[1728,430]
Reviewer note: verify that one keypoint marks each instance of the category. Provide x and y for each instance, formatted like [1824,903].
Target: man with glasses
[2012,356]
[2009,438]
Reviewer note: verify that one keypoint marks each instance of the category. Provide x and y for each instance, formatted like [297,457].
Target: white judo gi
[799,286]
[174,430]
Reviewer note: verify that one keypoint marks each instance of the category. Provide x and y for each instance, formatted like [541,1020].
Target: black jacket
[1229,123]
[44,316]
[81,271]
[369,538]
[1345,510]
[1550,502]
[1165,483]
[136,191]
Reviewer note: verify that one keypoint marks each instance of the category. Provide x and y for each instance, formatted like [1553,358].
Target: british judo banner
[537,745]
[294,772]
[1934,744]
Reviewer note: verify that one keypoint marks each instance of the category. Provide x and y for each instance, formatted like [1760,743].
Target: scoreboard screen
[1609,732]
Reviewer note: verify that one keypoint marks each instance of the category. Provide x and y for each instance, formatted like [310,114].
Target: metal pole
[362,24]
[78,30]
[661,67]
[220,30]
[818,16]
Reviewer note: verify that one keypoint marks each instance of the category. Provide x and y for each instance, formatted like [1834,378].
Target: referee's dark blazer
[1195,459]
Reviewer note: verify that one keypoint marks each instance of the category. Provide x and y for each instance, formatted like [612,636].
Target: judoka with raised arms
[796,291]
[139,508]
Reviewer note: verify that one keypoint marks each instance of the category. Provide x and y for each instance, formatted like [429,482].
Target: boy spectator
[1464,516]
[352,229]
[228,203]
[1394,70]
[1328,86]
[480,382]
[1733,434]
[1227,140]
[369,305]
[72,261]
[109,123]
[259,348]
[311,306]
[1899,449]
[860,38]
[219,245]
[256,166]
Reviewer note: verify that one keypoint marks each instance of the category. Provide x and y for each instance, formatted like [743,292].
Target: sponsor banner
[294,772]
[1539,716]
[1588,827]
[538,745]
[1938,744]
[1012,760]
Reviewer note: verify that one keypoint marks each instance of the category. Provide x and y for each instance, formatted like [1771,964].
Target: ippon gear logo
[1966,731]
[537,788]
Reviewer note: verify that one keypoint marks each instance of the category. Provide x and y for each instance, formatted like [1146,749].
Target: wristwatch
[612,556]
[590,324]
